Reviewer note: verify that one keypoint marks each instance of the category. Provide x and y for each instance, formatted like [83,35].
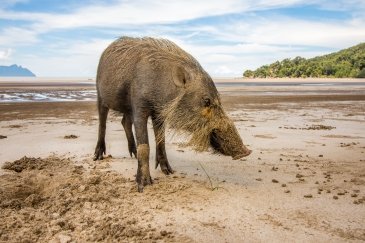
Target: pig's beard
[189,122]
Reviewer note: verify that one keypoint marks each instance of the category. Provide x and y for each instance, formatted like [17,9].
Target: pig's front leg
[143,151]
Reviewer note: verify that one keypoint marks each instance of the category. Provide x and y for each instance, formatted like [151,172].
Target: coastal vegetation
[346,63]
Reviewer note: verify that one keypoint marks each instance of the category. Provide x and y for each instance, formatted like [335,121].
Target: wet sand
[304,181]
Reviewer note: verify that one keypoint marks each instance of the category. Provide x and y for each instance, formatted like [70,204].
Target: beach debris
[308,195]
[283,185]
[311,127]
[327,175]
[274,168]
[71,136]
[357,181]
[360,200]
[15,126]
[319,127]
[335,197]
[274,181]
[287,191]
[348,144]
[2,136]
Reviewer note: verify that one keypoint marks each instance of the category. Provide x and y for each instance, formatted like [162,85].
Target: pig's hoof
[99,154]
[165,167]
[167,171]
[132,150]
[142,182]
[99,151]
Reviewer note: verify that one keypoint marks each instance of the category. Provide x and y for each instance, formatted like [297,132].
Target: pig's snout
[228,145]
[246,152]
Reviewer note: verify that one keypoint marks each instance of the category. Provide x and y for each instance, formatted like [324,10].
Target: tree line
[347,63]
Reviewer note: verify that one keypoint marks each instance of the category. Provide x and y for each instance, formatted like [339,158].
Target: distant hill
[15,71]
[347,63]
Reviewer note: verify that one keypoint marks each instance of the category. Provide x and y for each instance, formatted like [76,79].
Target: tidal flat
[304,181]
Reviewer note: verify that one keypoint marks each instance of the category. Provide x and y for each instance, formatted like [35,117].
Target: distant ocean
[43,95]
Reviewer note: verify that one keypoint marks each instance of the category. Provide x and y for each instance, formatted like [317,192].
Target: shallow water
[12,93]
[48,96]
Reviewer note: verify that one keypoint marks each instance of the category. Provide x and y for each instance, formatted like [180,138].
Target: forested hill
[346,63]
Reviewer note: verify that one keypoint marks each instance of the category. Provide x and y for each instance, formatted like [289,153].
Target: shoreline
[288,80]
[81,109]
[86,80]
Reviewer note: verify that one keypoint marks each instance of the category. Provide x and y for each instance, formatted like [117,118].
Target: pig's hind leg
[127,125]
[100,146]
[161,158]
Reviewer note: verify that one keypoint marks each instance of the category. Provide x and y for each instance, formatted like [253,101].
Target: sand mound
[31,163]
[54,199]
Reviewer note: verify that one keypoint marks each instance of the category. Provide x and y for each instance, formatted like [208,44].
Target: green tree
[349,62]
[361,74]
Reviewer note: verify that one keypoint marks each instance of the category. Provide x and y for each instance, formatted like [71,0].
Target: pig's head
[197,111]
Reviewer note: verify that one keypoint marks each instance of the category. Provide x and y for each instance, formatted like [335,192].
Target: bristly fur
[183,121]
[157,51]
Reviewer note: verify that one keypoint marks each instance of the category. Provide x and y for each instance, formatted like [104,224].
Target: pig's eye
[206,102]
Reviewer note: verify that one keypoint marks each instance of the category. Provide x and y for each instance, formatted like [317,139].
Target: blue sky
[65,38]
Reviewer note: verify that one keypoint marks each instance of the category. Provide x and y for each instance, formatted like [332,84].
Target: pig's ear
[180,76]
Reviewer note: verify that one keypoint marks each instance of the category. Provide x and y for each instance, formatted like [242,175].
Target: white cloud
[92,47]
[12,36]
[289,31]
[8,3]
[61,66]
[261,39]
[5,54]
[79,59]
[140,12]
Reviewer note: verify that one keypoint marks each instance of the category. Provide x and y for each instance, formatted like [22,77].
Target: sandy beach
[304,181]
